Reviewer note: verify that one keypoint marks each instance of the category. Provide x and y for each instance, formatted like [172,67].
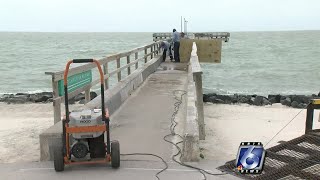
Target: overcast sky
[158,16]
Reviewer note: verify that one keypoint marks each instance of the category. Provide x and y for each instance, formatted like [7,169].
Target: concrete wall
[194,126]
[114,98]
[190,149]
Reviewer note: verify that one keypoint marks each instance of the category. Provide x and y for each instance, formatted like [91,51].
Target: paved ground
[133,170]
[139,125]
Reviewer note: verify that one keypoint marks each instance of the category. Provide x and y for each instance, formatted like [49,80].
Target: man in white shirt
[176,45]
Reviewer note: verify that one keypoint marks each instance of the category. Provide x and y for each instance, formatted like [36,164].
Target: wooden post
[87,95]
[145,54]
[56,103]
[152,52]
[136,57]
[105,71]
[118,66]
[129,68]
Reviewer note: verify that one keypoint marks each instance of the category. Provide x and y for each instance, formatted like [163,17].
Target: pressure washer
[86,135]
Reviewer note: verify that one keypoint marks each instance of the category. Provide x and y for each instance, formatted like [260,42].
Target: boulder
[276,98]
[295,104]
[17,100]
[234,98]
[283,98]
[82,101]
[258,100]
[33,98]
[286,102]
[273,100]
[212,99]
[93,95]
[72,101]
[24,94]
[206,97]
[79,97]
[243,100]
[265,102]
[302,106]
[227,99]
[41,98]
[49,100]
[300,98]
[5,97]
[48,94]
[251,100]
[218,101]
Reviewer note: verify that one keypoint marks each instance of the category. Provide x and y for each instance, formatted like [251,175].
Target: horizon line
[17,31]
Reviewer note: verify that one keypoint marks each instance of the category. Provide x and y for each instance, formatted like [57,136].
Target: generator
[86,135]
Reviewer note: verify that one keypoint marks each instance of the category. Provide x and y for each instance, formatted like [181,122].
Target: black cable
[286,125]
[149,154]
[172,129]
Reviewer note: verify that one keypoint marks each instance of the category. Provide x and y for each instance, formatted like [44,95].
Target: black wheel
[58,159]
[115,154]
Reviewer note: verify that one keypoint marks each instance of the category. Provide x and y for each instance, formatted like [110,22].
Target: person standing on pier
[176,45]
[166,48]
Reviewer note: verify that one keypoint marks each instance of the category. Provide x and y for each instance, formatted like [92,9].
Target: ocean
[252,62]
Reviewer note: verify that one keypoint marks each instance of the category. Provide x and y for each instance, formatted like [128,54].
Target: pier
[149,102]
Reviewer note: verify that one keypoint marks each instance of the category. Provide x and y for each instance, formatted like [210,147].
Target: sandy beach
[229,125]
[20,127]
[226,127]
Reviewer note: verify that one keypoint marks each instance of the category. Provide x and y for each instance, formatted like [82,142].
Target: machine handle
[65,79]
[82,60]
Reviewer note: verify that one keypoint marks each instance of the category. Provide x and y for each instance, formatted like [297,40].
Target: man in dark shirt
[166,48]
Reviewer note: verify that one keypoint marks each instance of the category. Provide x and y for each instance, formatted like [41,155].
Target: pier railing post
[157,47]
[136,57]
[152,52]
[56,103]
[118,66]
[128,62]
[145,54]
[105,71]
[87,95]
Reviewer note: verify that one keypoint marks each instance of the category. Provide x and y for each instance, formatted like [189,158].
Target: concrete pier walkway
[144,119]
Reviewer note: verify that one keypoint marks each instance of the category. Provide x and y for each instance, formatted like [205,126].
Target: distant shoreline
[42,97]
[294,101]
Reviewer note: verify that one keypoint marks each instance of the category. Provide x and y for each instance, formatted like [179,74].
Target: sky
[158,16]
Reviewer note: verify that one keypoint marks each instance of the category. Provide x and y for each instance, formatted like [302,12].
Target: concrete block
[51,137]
[191,151]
